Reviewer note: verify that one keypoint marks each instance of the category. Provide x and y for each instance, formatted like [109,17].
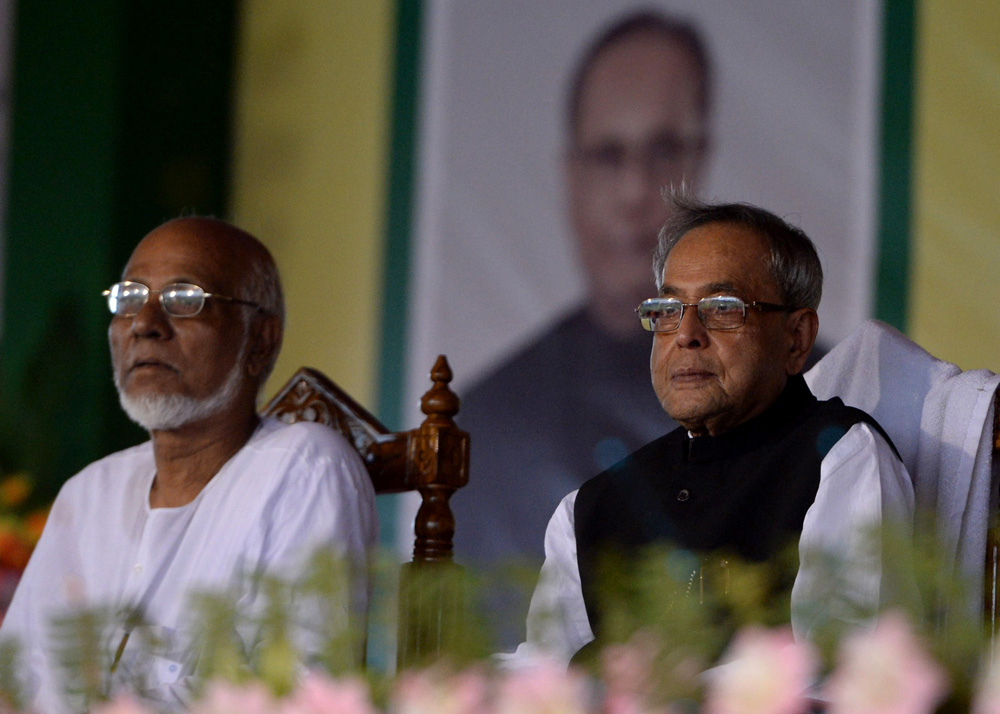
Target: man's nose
[151,320]
[691,332]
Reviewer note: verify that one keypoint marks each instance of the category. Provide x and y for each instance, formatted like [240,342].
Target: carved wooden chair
[432,459]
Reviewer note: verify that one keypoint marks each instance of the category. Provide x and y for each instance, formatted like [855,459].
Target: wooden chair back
[432,459]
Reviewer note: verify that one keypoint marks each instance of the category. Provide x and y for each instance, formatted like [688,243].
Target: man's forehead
[709,288]
[186,251]
[715,258]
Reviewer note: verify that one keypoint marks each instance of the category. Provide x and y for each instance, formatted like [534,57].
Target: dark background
[120,120]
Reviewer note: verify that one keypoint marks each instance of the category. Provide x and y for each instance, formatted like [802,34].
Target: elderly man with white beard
[217,496]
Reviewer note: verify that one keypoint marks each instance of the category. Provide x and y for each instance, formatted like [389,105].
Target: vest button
[683,495]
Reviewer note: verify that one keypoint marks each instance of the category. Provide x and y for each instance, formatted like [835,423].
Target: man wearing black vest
[757,461]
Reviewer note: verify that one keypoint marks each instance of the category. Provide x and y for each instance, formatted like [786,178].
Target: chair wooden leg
[432,603]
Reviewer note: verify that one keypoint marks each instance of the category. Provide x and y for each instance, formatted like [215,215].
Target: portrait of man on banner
[544,154]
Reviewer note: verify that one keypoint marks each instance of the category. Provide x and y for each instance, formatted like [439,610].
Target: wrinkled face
[155,355]
[712,380]
[639,129]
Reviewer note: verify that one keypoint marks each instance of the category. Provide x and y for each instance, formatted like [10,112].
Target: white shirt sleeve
[558,625]
[863,487]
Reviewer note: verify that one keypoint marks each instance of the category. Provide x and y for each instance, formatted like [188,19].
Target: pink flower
[885,671]
[124,703]
[318,694]
[628,668]
[627,673]
[546,688]
[763,672]
[225,698]
[434,692]
[634,675]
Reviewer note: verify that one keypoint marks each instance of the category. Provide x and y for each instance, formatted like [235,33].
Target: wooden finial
[440,403]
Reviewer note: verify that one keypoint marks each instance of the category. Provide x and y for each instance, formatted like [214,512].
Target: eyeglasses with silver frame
[126,299]
[717,312]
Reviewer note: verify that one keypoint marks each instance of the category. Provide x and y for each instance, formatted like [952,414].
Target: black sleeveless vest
[745,492]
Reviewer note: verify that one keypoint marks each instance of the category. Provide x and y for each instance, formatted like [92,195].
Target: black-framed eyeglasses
[125,299]
[719,312]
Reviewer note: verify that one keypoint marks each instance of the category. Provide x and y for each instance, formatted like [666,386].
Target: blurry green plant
[669,613]
[10,686]
[83,656]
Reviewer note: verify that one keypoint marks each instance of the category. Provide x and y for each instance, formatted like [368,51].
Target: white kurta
[862,484]
[287,492]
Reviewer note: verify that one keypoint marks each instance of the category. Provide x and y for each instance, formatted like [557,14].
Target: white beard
[170,411]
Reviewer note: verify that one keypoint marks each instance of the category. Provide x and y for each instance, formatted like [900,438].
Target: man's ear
[802,327]
[265,340]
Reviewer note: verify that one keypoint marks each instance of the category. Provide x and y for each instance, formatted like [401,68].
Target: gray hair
[792,262]
[262,285]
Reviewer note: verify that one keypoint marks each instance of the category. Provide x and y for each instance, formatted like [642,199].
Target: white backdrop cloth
[941,420]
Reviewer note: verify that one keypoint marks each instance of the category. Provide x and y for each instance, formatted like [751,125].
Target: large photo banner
[547,133]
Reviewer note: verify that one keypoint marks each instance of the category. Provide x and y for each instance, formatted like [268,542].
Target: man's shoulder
[302,473]
[302,450]
[310,437]
[835,419]
[121,476]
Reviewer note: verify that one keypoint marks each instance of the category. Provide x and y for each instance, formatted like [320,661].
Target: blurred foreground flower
[548,688]
[319,694]
[222,697]
[19,529]
[885,671]
[640,676]
[763,672]
[436,692]
[14,490]
[627,673]
[124,703]
[15,548]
